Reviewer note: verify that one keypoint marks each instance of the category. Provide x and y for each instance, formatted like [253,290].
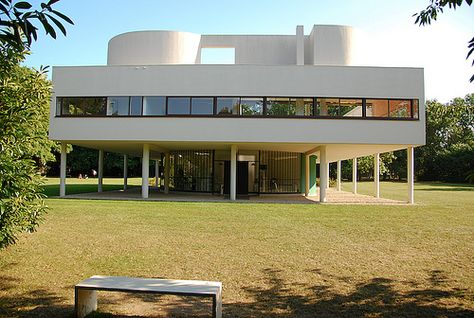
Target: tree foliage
[436,7]
[449,151]
[24,113]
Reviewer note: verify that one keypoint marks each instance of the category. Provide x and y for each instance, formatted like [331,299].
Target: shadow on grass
[36,303]
[376,297]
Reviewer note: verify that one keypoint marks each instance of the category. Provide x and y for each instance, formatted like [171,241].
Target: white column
[299,45]
[62,170]
[167,172]
[354,175]
[377,174]
[125,171]
[233,172]
[100,172]
[410,174]
[145,170]
[329,177]
[323,174]
[306,188]
[156,172]
[339,175]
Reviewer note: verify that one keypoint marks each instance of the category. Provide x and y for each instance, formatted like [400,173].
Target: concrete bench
[86,291]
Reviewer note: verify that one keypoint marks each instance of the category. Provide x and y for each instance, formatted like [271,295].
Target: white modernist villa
[270,123]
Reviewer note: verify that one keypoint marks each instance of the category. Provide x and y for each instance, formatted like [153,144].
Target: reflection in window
[377,108]
[280,107]
[302,106]
[82,106]
[118,106]
[154,105]
[350,107]
[178,105]
[202,105]
[327,107]
[135,105]
[227,105]
[415,108]
[399,108]
[251,106]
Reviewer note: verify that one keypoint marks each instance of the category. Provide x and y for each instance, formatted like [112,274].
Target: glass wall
[154,105]
[251,106]
[178,105]
[227,105]
[118,106]
[202,105]
[377,108]
[191,170]
[280,172]
[327,107]
[400,108]
[81,106]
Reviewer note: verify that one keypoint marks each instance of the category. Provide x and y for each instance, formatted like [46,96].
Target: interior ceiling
[334,152]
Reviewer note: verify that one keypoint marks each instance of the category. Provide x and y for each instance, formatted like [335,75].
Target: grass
[274,260]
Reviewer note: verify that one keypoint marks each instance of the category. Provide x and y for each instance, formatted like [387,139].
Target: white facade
[316,67]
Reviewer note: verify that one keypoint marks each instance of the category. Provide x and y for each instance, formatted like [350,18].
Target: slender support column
[157,169]
[167,172]
[62,170]
[145,170]
[338,175]
[233,172]
[125,171]
[329,177]
[323,174]
[410,174]
[377,174]
[354,175]
[306,170]
[100,172]
[303,174]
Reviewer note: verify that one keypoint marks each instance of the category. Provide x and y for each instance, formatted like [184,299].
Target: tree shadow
[278,298]
[37,303]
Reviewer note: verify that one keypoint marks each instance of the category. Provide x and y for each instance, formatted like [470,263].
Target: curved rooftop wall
[331,44]
[154,47]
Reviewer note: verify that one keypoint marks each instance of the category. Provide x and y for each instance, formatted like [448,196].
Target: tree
[431,13]
[449,151]
[24,106]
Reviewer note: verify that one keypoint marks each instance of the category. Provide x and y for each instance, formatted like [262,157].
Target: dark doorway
[242,177]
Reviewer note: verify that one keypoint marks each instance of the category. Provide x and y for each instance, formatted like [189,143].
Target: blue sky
[387,33]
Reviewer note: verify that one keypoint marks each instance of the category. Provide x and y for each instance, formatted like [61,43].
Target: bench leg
[85,302]
[217,305]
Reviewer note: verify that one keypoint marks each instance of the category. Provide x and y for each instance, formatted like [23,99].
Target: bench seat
[86,291]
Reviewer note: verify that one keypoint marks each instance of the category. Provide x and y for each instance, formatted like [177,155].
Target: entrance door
[242,177]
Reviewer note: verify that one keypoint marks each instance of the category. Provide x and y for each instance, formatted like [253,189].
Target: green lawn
[274,260]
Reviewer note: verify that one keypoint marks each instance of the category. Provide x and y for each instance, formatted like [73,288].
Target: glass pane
[399,108]
[278,107]
[202,105]
[377,108]
[279,172]
[154,105]
[136,105]
[228,105]
[178,105]
[327,107]
[82,106]
[251,106]
[302,106]
[415,108]
[350,107]
[118,106]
